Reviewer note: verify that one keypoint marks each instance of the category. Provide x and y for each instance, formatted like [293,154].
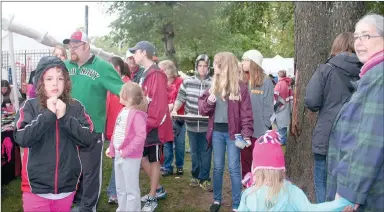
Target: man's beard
[74,58]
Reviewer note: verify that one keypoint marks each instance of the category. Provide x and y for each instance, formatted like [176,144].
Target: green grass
[181,197]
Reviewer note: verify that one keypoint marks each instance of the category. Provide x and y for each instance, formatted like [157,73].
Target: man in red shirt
[159,124]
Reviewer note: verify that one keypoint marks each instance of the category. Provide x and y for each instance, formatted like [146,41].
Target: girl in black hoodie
[51,128]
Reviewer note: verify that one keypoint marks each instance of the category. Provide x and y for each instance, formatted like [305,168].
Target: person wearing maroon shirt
[174,83]
[159,124]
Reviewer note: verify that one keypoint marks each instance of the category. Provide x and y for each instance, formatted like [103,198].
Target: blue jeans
[220,143]
[320,177]
[179,151]
[111,190]
[200,154]
[283,133]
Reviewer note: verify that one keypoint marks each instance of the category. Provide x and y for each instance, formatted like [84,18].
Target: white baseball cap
[128,54]
[254,55]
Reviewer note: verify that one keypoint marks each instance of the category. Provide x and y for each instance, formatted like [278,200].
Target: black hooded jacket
[51,161]
[329,88]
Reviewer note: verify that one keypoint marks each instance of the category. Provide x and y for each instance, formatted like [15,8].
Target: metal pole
[86,19]
[13,66]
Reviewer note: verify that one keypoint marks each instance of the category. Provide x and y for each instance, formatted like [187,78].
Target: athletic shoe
[161,193]
[150,205]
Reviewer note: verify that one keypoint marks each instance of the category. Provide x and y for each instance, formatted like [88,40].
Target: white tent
[277,63]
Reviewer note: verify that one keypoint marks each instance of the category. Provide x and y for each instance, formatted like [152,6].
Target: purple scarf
[372,62]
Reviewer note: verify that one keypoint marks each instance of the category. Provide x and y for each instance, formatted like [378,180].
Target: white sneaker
[150,205]
[160,194]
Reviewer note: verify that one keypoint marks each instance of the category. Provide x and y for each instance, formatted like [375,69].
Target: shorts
[154,153]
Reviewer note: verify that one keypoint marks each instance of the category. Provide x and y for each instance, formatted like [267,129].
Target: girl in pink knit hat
[268,190]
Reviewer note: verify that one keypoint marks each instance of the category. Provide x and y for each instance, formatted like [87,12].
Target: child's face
[125,102]
[53,82]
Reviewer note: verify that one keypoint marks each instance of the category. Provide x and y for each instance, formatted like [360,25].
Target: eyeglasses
[365,37]
[74,47]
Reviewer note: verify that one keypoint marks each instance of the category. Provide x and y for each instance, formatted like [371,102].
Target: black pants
[87,195]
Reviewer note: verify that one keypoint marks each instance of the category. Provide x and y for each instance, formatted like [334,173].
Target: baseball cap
[77,36]
[254,55]
[128,54]
[144,45]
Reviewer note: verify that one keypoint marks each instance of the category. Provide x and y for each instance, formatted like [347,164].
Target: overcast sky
[59,19]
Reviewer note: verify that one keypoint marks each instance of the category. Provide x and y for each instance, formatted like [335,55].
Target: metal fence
[27,59]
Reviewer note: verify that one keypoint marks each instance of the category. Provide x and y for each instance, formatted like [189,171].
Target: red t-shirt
[173,90]
[113,108]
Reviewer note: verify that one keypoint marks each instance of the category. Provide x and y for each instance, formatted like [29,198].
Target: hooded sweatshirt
[329,88]
[190,91]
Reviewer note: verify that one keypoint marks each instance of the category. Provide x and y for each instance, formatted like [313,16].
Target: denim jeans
[283,133]
[111,190]
[200,154]
[320,177]
[220,143]
[179,142]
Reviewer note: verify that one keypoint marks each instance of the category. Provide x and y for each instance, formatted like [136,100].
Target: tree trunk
[169,43]
[316,26]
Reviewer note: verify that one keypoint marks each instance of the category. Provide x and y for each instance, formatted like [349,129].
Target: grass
[180,197]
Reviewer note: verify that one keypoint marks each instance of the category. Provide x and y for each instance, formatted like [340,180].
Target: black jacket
[51,162]
[329,88]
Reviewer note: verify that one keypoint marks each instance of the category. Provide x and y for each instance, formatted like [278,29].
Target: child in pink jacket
[127,146]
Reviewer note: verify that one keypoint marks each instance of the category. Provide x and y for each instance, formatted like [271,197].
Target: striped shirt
[190,91]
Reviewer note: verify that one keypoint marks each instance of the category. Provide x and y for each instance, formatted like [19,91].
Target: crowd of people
[75,103]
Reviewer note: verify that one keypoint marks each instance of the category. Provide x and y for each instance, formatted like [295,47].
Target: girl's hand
[51,104]
[212,98]
[60,108]
[107,153]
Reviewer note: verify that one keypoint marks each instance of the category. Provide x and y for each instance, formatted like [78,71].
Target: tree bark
[316,26]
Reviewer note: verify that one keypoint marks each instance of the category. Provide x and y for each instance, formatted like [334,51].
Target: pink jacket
[135,135]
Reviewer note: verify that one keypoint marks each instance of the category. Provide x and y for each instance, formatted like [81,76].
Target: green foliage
[206,27]
[375,7]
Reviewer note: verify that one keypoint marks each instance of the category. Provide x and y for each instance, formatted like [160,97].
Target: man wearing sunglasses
[91,78]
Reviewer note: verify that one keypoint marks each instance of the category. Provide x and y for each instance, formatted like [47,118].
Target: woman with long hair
[228,105]
[261,93]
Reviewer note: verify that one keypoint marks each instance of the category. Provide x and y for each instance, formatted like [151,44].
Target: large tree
[316,26]
[183,30]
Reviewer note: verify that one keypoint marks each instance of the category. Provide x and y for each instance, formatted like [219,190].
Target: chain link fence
[25,60]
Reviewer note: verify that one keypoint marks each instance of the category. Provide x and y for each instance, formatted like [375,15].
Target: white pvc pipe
[13,66]
[44,38]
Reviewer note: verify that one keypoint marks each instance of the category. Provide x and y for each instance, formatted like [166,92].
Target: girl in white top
[127,146]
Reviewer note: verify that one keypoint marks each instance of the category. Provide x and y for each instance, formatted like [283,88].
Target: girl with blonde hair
[174,83]
[228,105]
[269,190]
[127,146]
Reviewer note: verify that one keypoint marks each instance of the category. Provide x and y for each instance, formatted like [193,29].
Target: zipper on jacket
[57,158]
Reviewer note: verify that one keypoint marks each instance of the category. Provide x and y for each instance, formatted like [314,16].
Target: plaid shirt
[356,146]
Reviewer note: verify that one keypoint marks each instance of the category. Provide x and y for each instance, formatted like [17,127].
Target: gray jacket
[329,88]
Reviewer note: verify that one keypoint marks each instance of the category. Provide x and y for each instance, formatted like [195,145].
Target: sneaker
[112,200]
[161,193]
[194,182]
[166,173]
[179,171]
[150,205]
[215,207]
[206,185]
